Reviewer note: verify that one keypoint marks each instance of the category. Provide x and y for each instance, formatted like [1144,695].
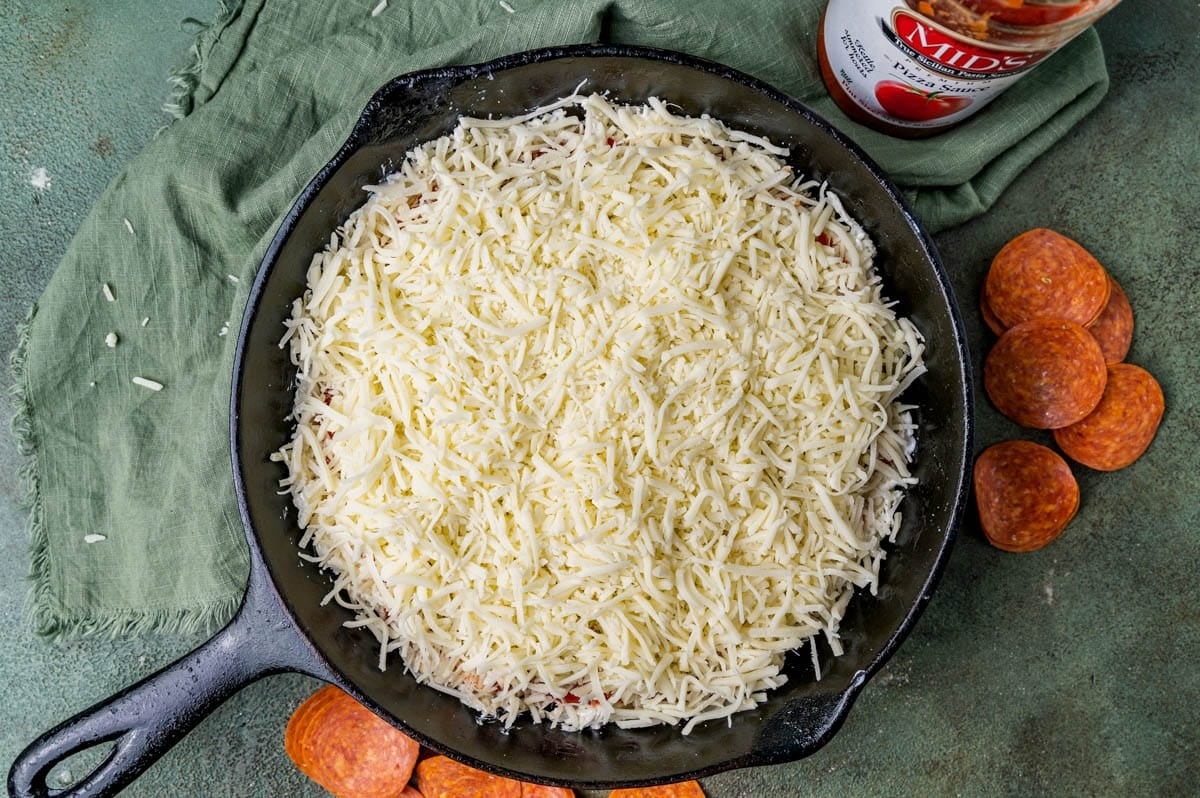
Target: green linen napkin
[134,525]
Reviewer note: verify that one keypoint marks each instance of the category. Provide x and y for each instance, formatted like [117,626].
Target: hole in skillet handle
[146,719]
[70,771]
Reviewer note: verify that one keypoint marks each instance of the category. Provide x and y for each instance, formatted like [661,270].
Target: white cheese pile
[597,415]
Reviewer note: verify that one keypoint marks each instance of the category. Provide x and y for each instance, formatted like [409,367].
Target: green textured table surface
[1070,671]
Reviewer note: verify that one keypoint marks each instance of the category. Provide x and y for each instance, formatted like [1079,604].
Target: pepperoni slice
[989,317]
[442,777]
[1045,373]
[1026,495]
[542,791]
[347,749]
[1122,426]
[1113,328]
[1044,274]
[683,789]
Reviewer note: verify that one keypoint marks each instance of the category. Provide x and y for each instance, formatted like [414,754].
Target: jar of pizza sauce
[916,67]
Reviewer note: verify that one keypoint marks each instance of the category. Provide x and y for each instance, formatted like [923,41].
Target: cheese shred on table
[598,415]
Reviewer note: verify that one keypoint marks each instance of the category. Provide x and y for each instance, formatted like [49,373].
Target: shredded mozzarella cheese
[597,415]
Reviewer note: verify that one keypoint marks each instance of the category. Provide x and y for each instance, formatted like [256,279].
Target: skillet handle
[149,717]
[805,724]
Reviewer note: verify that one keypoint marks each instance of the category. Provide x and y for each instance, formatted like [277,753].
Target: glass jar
[916,67]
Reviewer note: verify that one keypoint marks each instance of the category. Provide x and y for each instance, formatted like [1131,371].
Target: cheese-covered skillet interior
[283,625]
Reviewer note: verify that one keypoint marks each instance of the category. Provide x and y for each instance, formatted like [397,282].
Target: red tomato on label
[909,102]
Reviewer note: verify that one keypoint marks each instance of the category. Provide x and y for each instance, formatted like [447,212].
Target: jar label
[908,70]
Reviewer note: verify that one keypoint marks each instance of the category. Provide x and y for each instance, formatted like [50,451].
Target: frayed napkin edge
[185,79]
[43,610]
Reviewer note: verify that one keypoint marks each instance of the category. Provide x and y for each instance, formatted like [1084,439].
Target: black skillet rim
[457,74]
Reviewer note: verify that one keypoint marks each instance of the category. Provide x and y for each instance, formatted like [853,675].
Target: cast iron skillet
[282,626]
